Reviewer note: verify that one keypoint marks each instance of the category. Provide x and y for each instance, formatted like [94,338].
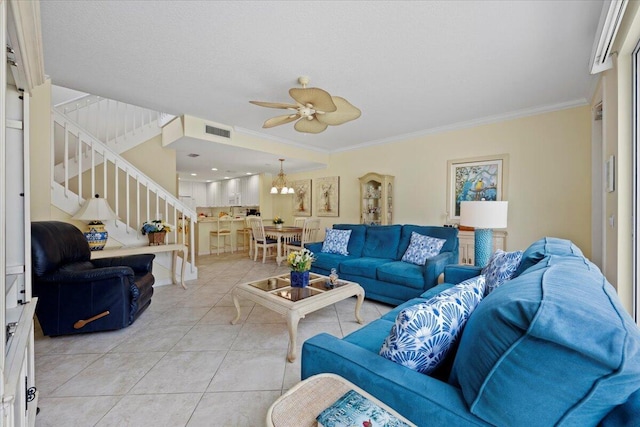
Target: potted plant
[156,230]
[278,221]
[300,264]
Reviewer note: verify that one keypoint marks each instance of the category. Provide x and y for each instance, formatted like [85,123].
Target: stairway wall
[155,161]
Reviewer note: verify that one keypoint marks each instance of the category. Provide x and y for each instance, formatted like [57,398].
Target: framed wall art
[327,193]
[301,197]
[479,178]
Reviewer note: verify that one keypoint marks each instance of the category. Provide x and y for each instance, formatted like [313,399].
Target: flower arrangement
[278,220]
[155,226]
[300,260]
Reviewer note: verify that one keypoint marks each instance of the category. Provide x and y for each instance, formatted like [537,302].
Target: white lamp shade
[95,209]
[483,214]
[274,190]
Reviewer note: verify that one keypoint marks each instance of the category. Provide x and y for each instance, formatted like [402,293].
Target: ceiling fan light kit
[279,185]
[315,109]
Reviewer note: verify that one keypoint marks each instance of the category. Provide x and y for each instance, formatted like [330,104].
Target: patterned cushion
[501,267]
[422,248]
[336,241]
[423,333]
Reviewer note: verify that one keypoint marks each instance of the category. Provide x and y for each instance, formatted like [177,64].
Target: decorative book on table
[355,410]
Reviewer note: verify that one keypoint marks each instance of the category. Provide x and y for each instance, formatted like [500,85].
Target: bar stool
[223,231]
[244,235]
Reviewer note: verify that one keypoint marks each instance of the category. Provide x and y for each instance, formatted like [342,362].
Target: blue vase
[299,279]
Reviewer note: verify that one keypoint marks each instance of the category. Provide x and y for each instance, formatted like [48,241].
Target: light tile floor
[182,363]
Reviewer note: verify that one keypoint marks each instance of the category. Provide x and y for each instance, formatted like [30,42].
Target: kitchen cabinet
[376,199]
[193,193]
[467,246]
[243,191]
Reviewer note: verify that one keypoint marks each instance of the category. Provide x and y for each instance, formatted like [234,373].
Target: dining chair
[244,233]
[260,239]
[309,232]
[299,221]
[222,232]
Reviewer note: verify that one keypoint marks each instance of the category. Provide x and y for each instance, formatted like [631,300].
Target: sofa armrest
[141,264]
[314,247]
[459,273]
[422,399]
[434,267]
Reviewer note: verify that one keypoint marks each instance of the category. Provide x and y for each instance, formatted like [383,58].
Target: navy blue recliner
[72,289]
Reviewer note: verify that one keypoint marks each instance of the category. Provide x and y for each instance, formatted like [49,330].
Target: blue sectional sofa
[551,346]
[374,260]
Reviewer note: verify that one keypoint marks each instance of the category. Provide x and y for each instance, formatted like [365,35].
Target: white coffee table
[276,294]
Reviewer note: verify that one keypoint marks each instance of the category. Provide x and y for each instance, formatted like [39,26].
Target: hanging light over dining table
[279,184]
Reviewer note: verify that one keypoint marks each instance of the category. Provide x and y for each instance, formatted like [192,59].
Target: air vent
[193,155]
[217,131]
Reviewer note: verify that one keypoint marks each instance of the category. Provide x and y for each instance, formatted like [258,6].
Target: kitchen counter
[208,224]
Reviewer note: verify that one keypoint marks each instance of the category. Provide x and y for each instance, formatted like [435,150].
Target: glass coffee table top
[281,286]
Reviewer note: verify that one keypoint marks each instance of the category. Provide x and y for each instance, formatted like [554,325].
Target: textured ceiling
[411,67]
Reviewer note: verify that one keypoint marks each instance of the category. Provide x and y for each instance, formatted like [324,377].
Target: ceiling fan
[314,109]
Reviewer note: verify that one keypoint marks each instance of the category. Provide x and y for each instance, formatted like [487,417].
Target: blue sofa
[374,260]
[551,346]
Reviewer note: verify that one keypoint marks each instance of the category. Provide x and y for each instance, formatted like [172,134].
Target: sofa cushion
[382,241]
[402,273]
[517,347]
[544,247]
[324,261]
[422,248]
[336,241]
[423,334]
[356,241]
[500,268]
[450,234]
[365,267]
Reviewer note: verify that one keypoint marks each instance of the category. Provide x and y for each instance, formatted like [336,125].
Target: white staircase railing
[110,121]
[130,193]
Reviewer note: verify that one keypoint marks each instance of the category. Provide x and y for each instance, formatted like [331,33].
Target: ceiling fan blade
[309,126]
[280,120]
[274,104]
[345,112]
[320,99]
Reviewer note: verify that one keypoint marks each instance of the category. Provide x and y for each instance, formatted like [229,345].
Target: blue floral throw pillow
[336,241]
[423,333]
[421,248]
[501,267]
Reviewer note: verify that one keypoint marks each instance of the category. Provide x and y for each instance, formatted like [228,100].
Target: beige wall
[156,162]
[549,175]
[40,152]
[617,139]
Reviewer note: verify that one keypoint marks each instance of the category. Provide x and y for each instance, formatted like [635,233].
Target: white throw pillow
[423,333]
[336,241]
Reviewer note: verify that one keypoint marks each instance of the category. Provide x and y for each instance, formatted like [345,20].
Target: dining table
[282,234]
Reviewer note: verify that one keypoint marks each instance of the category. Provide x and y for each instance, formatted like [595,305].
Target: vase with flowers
[278,221]
[300,264]
[156,231]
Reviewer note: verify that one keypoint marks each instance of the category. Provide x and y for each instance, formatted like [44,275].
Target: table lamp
[484,216]
[95,211]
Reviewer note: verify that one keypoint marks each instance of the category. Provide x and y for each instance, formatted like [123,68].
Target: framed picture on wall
[301,197]
[479,178]
[327,193]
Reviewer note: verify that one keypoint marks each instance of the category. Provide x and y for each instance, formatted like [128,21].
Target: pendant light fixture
[279,185]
